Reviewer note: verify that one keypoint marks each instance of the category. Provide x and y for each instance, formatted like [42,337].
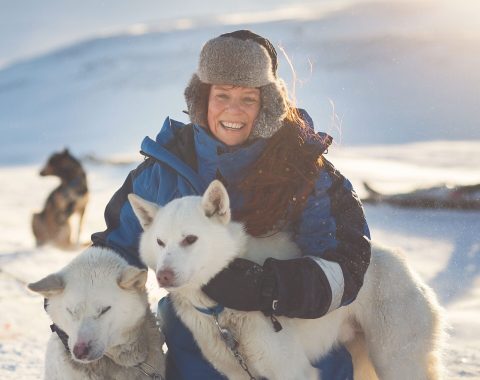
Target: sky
[31,27]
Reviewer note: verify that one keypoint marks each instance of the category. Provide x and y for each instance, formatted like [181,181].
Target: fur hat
[241,58]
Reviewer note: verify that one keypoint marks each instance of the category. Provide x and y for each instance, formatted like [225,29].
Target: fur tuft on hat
[241,58]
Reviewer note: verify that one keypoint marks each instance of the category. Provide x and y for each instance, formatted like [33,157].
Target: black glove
[243,285]
[296,288]
[302,289]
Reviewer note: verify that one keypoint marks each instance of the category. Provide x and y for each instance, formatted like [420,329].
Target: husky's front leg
[284,360]
[275,355]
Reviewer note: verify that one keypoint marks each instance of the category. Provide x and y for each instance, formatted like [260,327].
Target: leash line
[232,343]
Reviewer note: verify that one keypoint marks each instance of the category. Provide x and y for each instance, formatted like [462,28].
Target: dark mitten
[243,285]
[302,289]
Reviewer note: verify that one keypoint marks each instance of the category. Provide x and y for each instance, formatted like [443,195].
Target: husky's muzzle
[166,277]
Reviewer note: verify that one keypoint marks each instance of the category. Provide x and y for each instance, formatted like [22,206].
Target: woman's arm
[334,239]
[123,230]
[333,233]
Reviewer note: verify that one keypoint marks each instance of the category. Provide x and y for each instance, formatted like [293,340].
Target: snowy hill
[376,70]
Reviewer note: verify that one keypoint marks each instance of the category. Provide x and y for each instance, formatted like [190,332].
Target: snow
[395,83]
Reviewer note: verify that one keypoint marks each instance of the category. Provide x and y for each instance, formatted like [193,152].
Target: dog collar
[61,334]
[215,310]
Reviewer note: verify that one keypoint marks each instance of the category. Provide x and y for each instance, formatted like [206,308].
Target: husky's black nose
[81,350]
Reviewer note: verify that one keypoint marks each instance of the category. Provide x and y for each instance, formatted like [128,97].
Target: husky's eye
[189,240]
[69,312]
[160,243]
[104,310]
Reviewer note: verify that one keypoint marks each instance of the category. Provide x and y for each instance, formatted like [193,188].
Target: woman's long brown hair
[277,185]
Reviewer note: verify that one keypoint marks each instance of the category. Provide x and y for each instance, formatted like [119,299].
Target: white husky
[100,302]
[395,320]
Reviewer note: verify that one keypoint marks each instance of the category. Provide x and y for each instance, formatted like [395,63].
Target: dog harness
[215,310]
[227,336]
[62,335]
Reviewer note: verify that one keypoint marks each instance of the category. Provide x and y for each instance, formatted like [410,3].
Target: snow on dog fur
[100,302]
[393,329]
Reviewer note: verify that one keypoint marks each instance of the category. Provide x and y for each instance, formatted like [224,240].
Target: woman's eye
[249,101]
[189,240]
[160,243]
[222,97]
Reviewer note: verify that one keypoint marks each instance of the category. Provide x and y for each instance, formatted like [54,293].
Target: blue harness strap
[215,310]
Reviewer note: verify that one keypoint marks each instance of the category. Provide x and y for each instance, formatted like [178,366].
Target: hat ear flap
[196,95]
[274,109]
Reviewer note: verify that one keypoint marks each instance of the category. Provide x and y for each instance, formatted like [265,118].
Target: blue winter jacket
[332,229]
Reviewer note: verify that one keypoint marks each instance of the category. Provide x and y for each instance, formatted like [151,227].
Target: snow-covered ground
[443,246]
[395,83]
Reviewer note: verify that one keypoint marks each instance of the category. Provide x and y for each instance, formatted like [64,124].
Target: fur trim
[270,117]
[273,111]
[196,96]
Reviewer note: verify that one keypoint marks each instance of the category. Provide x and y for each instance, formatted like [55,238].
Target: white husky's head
[97,299]
[190,239]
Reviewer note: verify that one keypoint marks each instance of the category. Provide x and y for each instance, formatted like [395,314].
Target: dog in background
[52,224]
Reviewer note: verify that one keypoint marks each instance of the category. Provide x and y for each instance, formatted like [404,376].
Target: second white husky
[394,324]
[104,327]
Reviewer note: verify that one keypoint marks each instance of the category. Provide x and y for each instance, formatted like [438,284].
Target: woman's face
[232,112]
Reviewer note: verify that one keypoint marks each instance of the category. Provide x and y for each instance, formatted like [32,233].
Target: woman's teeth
[228,125]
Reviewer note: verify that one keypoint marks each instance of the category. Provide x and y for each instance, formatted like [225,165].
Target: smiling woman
[232,112]
[277,180]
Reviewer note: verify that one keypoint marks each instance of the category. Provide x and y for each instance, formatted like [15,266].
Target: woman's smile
[232,125]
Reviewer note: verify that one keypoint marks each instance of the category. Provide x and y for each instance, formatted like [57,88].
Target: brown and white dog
[52,224]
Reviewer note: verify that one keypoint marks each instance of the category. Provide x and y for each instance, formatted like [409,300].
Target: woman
[245,132]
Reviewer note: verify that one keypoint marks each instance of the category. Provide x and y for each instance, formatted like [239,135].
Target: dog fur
[393,328]
[100,302]
[52,224]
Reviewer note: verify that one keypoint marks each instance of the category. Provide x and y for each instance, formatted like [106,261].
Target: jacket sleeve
[123,229]
[334,238]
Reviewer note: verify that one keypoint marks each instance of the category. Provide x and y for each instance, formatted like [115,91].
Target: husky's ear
[48,286]
[215,202]
[144,210]
[132,278]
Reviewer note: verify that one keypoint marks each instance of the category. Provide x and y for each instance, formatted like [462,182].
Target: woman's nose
[234,106]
